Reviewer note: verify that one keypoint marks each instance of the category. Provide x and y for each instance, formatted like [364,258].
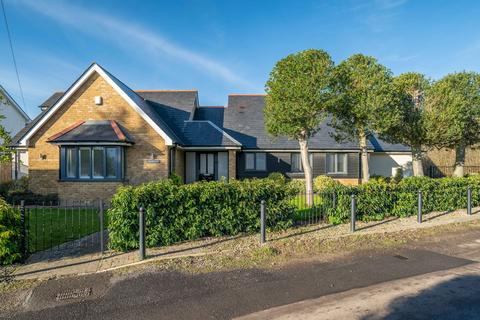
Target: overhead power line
[13,54]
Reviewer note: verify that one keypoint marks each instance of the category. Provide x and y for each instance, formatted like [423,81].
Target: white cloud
[131,36]
[378,15]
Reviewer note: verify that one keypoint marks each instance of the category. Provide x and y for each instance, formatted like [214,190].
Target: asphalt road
[223,295]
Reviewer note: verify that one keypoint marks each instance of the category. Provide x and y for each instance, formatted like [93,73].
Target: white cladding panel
[385,164]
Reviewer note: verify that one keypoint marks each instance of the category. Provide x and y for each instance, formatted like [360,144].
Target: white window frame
[336,170]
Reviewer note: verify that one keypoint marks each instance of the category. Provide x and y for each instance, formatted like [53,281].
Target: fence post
[420,204]
[23,221]
[334,200]
[102,237]
[263,237]
[142,233]
[469,201]
[353,212]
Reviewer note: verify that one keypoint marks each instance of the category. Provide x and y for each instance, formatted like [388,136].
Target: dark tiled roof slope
[95,131]
[173,107]
[205,134]
[244,121]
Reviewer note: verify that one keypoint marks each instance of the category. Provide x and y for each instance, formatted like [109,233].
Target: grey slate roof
[97,131]
[51,100]
[381,146]
[173,107]
[205,134]
[244,121]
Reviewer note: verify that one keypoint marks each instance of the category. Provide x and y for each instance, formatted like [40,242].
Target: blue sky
[222,47]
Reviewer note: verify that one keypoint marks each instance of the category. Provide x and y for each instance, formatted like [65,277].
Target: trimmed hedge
[9,234]
[379,199]
[184,212]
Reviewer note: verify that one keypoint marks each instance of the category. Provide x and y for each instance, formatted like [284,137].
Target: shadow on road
[428,217]
[457,298]
[303,232]
[379,223]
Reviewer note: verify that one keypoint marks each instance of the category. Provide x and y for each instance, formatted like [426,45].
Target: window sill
[91,180]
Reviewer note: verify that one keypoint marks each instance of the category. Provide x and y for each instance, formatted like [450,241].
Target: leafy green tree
[411,130]
[453,103]
[366,102]
[298,97]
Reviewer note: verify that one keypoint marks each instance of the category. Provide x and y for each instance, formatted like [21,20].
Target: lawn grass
[303,212]
[50,227]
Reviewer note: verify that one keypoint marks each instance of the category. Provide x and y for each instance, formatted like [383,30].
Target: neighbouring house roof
[240,124]
[51,100]
[94,131]
[14,103]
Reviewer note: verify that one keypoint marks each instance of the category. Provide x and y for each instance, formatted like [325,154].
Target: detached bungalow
[101,134]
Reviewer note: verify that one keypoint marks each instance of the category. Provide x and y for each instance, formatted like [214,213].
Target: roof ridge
[167,90]
[247,94]
[118,131]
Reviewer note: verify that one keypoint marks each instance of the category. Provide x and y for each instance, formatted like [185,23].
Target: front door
[206,166]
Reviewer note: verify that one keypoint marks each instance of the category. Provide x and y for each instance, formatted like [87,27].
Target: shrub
[9,234]
[378,199]
[175,179]
[278,177]
[322,183]
[184,212]
[297,185]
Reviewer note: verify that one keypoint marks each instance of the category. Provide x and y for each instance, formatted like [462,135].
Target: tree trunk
[459,161]
[417,161]
[362,139]
[307,170]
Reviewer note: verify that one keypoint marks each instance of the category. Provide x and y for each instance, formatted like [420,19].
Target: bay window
[91,163]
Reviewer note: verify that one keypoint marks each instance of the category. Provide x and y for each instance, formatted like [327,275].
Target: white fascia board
[76,86]
[394,152]
[298,150]
[207,148]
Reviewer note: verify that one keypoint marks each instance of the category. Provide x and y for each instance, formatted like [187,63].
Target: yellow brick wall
[44,173]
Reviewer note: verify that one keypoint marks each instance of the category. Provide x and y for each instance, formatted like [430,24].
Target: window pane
[330,163]
[111,154]
[261,161]
[296,162]
[98,162]
[203,163]
[71,163]
[84,162]
[210,163]
[249,161]
[341,163]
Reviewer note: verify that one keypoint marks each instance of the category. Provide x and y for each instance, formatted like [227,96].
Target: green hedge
[379,199]
[9,234]
[184,212]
